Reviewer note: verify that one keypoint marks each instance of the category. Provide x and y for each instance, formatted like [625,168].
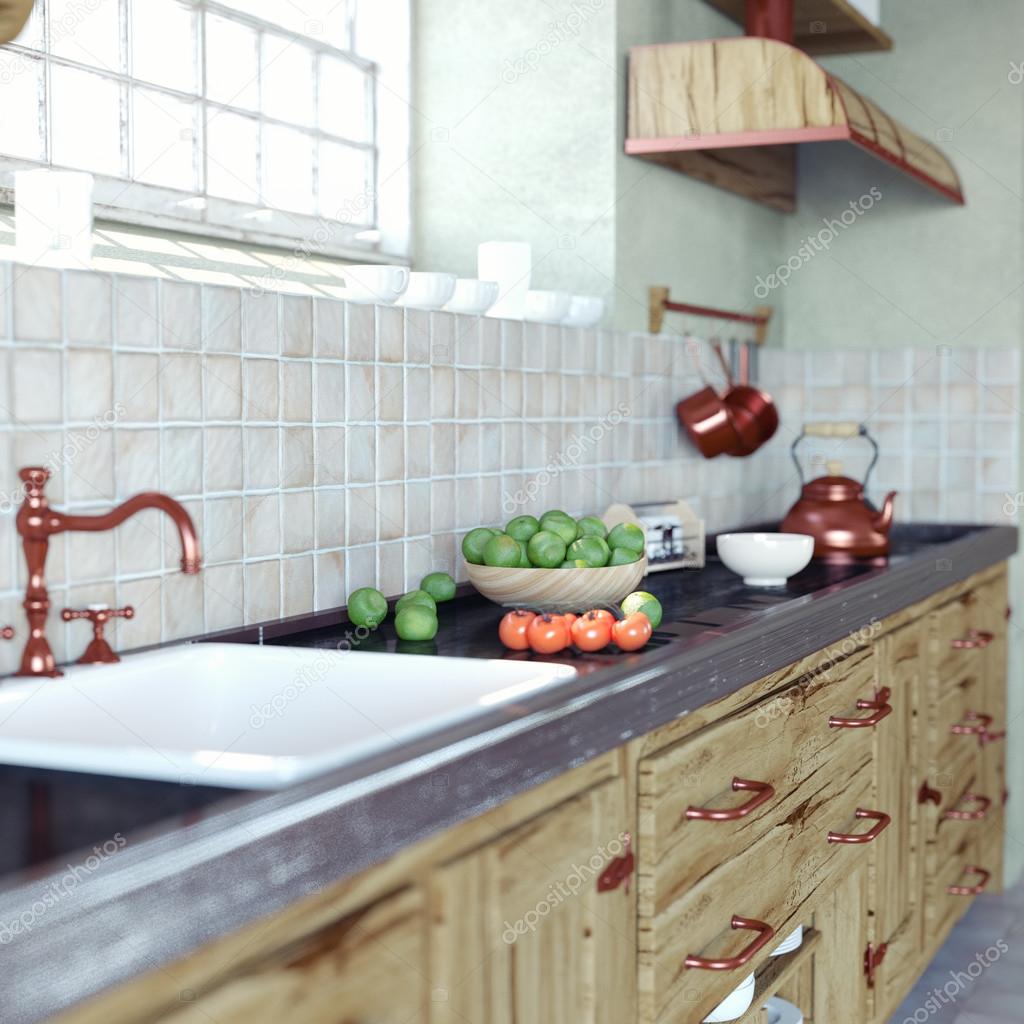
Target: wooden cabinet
[369,968]
[519,930]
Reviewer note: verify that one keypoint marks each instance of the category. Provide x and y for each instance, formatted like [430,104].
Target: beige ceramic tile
[90,307]
[37,304]
[297,583]
[390,334]
[330,455]
[330,518]
[181,315]
[222,319]
[361,398]
[390,453]
[442,449]
[181,460]
[224,526]
[261,389]
[330,392]
[297,457]
[38,391]
[391,511]
[330,580]
[359,332]
[361,515]
[263,591]
[391,568]
[223,459]
[297,392]
[442,392]
[330,328]
[136,386]
[417,451]
[182,606]
[442,339]
[223,597]
[390,394]
[417,394]
[297,519]
[417,508]
[259,323]
[90,385]
[360,454]
[417,336]
[90,556]
[261,457]
[181,387]
[296,325]
[262,525]
[137,457]
[136,316]
[223,378]
[360,568]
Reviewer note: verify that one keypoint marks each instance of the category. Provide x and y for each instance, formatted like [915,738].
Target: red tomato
[604,615]
[632,632]
[592,632]
[512,630]
[548,634]
[568,618]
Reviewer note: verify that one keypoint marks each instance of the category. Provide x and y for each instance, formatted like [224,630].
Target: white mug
[375,282]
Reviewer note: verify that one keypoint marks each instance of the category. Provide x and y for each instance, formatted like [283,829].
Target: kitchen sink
[245,716]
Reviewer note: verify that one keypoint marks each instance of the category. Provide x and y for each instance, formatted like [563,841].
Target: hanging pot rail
[659,304]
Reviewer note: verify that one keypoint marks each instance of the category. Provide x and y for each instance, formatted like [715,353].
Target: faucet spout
[37,522]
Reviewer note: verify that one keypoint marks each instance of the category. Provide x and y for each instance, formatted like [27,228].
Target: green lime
[566,527]
[574,563]
[439,585]
[593,550]
[502,551]
[367,607]
[591,526]
[555,513]
[524,556]
[546,549]
[474,542]
[416,622]
[416,597]
[523,527]
[623,556]
[641,601]
[628,536]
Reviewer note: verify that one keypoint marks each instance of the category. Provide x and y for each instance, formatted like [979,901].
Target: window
[274,121]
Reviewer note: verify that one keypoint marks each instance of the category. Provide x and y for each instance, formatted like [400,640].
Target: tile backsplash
[321,446]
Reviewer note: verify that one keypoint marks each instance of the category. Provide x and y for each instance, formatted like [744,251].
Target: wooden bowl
[562,589]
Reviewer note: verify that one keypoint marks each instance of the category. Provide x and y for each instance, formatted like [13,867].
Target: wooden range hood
[731,112]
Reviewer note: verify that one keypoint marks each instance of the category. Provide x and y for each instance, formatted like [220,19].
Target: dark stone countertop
[158,850]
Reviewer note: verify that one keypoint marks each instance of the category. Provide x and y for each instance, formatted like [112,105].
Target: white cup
[427,290]
[508,263]
[584,311]
[472,296]
[374,283]
[547,307]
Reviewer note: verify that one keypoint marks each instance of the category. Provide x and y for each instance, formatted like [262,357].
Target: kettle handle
[837,430]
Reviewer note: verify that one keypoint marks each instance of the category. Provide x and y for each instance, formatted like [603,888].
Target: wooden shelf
[822,26]
[779,971]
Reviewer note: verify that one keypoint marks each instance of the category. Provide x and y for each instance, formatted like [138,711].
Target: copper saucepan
[753,411]
[707,420]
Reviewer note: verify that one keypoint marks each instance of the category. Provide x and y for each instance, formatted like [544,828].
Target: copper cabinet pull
[971,890]
[763,792]
[928,795]
[983,802]
[991,737]
[880,706]
[976,639]
[870,836]
[765,935]
[980,725]
[619,870]
[873,957]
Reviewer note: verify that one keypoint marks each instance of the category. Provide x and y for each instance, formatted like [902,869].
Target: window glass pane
[86,121]
[343,99]
[21,87]
[232,63]
[163,140]
[326,20]
[345,192]
[164,44]
[89,33]
[232,144]
[287,80]
[287,169]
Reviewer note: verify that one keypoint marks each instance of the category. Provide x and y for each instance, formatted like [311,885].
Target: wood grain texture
[822,26]
[564,589]
[842,918]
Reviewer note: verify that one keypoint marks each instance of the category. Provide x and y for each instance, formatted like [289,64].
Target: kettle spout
[883,521]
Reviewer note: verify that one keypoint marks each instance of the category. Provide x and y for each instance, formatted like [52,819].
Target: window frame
[122,199]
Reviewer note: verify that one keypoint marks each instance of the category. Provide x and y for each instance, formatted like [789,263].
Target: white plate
[781,1012]
[735,1004]
[792,941]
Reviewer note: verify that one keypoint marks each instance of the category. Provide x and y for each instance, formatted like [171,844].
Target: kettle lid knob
[834,467]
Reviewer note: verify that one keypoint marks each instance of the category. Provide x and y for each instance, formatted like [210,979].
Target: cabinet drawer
[962,871]
[784,743]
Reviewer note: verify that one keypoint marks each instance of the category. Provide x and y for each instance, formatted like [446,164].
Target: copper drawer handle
[765,935]
[870,836]
[971,890]
[880,706]
[763,792]
[976,639]
[980,725]
[991,737]
[983,802]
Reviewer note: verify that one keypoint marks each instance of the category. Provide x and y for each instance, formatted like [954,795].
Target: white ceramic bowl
[794,940]
[781,1012]
[765,559]
[547,307]
[472,296]
[735,1004]
[427,290]
[374,282]
[584,311]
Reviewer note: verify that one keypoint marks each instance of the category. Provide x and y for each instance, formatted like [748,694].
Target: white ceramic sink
[246,716]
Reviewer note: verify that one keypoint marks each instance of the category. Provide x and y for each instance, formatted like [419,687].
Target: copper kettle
[833,509]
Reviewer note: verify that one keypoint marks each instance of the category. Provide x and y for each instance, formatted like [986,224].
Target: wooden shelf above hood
[822,26]
[732,111]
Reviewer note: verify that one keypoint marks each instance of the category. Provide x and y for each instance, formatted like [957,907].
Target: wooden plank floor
[978,975]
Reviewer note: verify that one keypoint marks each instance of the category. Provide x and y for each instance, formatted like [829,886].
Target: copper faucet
[36,522]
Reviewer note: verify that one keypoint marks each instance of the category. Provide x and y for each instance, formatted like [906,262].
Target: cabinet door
[369,968]
[897,890]
[520,932]
[839,990]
